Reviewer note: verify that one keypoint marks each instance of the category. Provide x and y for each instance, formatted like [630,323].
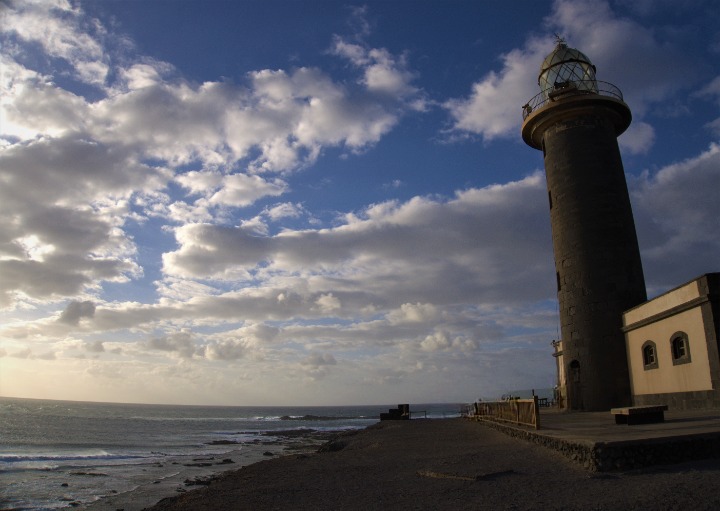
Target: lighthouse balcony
[563,89]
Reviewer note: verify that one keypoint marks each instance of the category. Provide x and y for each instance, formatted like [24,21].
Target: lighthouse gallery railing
[579,87]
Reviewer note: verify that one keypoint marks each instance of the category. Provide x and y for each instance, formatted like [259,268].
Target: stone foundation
[625,455]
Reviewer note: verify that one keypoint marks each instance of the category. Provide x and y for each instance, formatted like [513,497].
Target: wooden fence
[518,411]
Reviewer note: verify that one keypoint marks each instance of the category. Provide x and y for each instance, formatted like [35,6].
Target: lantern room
[566,68]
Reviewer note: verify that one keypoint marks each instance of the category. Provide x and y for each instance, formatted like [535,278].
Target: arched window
[680,348]
[649,354]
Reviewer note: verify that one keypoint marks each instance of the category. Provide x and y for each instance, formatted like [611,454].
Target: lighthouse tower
[575,121]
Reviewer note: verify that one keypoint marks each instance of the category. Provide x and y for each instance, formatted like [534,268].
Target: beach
[446,464]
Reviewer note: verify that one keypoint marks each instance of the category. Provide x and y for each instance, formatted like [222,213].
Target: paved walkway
[600,426]
[595,441]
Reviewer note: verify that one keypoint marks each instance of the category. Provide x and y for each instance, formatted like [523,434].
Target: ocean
[59,454]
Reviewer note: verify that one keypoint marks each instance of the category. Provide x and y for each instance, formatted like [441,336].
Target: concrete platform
[594,440]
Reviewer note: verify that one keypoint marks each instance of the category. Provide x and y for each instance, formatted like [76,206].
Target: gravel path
[443,465]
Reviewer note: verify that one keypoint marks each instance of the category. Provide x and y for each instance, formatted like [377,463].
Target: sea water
[55,454]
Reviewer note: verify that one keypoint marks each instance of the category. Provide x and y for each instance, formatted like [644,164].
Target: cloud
[413,313]
[181,343]
[75,311]
[147,74]
[396,270]
[277,120]
[327,303]
[676,219]
[383,73]
[95,347]
[712,91]
[79,170]
[602,35]
[638,138]
[63,32]
[284,210]
[32,105]
[240,190]
[228,349]
[493,108]
[317,360]
[490,272]
[421,248]
[63,205]
[25,353]
[317,365]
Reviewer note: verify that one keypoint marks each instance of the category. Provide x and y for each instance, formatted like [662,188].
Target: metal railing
[518,411]
[578,87]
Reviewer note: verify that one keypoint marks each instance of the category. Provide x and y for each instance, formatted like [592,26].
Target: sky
[315,202]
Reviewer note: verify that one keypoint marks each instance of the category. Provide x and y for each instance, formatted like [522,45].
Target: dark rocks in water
[268,453]
[290,432]
[198,482]
[223,442]
[197,464]
[92,474]
[64,485]
[226,461]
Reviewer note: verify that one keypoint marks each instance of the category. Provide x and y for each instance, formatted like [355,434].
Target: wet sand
[442,465]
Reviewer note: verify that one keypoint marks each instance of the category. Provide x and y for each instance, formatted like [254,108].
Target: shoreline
[445,464]
[198,472]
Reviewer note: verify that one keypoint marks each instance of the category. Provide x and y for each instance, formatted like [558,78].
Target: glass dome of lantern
[566,68]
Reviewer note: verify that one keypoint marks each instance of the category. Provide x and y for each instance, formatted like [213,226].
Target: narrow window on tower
[557,276]
[649,354]
[550,198]
[680,348]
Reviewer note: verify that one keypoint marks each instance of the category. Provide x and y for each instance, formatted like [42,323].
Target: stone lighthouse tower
[575,122]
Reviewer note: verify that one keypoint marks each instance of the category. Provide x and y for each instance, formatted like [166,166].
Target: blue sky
[286,202]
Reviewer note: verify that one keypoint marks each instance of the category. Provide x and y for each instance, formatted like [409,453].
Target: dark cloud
[677,220]
[75,311]
[182,343]
[227,349]
[95,347]
[317,360]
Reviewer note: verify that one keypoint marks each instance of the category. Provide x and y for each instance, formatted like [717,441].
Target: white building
[672,346]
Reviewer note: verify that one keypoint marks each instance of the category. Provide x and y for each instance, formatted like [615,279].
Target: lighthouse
[575,121]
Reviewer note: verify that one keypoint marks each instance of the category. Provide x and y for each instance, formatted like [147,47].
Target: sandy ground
[442,465]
